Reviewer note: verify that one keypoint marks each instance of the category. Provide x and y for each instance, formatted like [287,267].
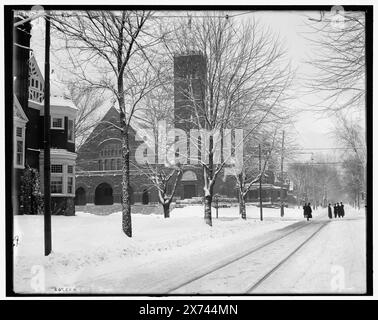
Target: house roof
[57,90]
[59,106]
[35,67]
[18,112]
[137,129]
[60,101]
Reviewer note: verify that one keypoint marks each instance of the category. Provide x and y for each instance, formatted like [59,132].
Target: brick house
[28,123]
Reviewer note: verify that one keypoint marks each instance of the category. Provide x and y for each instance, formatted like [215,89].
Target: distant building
[28,107]
[99,165]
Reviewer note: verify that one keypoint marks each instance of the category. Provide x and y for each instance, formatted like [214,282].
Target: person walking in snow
[335,210]
[309,211]
[342,212]
[338,210]
[329,211]
[305,210]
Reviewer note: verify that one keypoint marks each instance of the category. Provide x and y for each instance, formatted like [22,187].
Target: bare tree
[88,102]
[339,60]
[353,179]
[108,51]
[351,135]
[164,180]
[165,176]
[297,174]
[245,81]
[251,170]
[340,81]
[316,182]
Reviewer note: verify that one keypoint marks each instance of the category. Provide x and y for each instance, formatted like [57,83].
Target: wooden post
[216,205]
[46,143]
[260,199]
[282,178]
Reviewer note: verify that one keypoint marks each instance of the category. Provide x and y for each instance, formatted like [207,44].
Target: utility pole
[260,199]
[282,178]
[46,143]
[313,184]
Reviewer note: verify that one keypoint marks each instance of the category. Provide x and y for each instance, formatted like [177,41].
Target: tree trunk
[126,208]
[208,177]
[239,198]
[208,201]
[242,209]
[166,209]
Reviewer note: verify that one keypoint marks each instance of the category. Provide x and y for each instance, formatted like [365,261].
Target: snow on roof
[61,101]
[56,101]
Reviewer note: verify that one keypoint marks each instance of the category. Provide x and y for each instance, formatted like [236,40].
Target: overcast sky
[311,129]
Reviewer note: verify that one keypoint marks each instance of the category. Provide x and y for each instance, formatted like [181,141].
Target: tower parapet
[189,90]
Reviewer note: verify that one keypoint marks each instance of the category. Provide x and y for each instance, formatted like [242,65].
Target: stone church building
[98,163]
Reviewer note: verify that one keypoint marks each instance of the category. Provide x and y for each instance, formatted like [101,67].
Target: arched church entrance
[80,197]
[104,194]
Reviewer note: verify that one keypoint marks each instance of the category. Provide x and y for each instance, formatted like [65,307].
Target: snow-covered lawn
[88,245]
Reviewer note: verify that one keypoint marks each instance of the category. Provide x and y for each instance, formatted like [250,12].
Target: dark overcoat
[342,212]
[309,212]
[330,212]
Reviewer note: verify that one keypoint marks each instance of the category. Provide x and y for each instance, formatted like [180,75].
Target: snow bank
[90,241]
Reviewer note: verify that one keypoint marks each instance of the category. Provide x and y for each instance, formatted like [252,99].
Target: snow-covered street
[91,254]
[333,262]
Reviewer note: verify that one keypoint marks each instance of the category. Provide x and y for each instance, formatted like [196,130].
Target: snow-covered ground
[91,254]
[333,262]
[86,243]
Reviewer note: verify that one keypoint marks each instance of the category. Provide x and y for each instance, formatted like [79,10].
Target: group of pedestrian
[307,211]
[338,210]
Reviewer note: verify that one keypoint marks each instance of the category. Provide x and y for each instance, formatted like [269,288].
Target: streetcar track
[262,246]
[277,266]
